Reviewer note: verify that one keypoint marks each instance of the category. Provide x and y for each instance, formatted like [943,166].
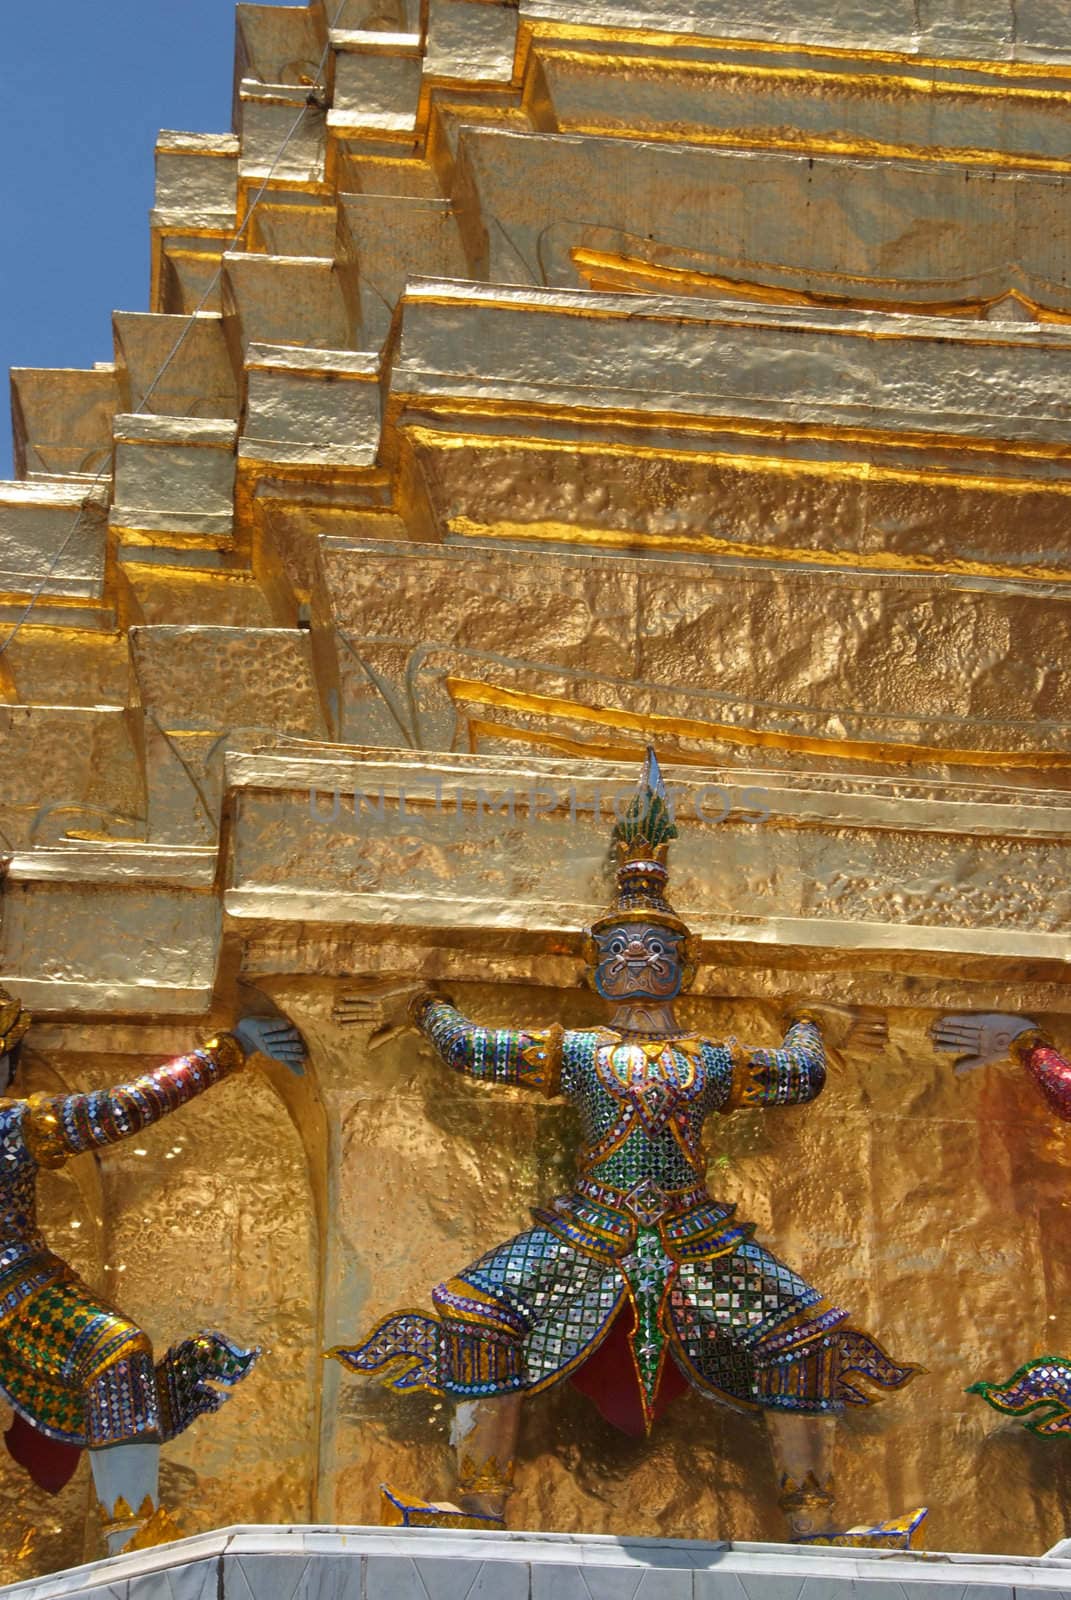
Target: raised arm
[789,1076]
[530,1058]
[985,1038]
[58,1126]
[1048,1068]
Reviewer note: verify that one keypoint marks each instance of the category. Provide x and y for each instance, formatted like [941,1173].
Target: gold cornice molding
[815,145]
[442,439]
[927,82]
[568,304]
[651,726]
[438,406]
[851,561]
[269,799]
[835,74]
[607,272]
[533,29]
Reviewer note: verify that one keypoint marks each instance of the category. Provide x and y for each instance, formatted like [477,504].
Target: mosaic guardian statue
[638,1284]
[1038,1394]
[77,1372]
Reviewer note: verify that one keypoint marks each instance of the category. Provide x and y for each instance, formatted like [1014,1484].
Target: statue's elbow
[817,1083]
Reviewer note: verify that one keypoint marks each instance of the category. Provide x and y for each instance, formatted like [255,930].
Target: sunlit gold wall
[932,1206]
[205,1221]
[582,376]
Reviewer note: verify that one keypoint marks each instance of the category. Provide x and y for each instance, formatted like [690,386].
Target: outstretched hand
[868,1028]
[270,1036]
[385,1010]
[848,1027]
[979,1038]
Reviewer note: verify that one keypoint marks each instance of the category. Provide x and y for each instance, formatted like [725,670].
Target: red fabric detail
[1052,1074]
[49,1462]
[609,1378]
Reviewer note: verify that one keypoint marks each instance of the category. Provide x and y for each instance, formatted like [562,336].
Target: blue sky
[84,88]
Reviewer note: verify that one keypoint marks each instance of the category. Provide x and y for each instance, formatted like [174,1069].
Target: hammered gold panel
[54,666]
[199,598]
[262,677]
[633,496]
[62,420]
[213,1226]
[205,1221]
[724,98]
[40,1532]
[915,1198]
[707,454]
[66,767]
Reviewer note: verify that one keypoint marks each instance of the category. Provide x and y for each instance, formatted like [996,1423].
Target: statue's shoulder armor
[722,1052]
[12,1138]
[586,1041]
[580,1046]
[32,1129]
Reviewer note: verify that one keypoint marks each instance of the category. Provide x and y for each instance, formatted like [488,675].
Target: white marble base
[266,1563]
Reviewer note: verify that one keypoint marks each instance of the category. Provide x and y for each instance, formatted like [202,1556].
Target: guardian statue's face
[638,961]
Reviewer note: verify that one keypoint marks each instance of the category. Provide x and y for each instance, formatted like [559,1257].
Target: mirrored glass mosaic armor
[77,1372]
[1038,1395]
[638,1283]
[992,1038]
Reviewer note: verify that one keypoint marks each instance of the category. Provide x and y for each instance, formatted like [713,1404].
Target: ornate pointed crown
[642,837]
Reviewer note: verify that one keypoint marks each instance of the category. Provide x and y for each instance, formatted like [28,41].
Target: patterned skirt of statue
[633,1328]
[81,1374]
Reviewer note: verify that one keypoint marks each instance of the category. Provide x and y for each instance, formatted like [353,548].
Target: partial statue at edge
[639,1283]
[76,1371]
[1038,1393]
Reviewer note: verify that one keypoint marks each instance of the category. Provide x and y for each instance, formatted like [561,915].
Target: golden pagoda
[524,384]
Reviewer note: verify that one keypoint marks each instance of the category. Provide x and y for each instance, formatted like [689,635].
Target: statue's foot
[896,1534]
[400,1510]
[160,1528]
[144,1530]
